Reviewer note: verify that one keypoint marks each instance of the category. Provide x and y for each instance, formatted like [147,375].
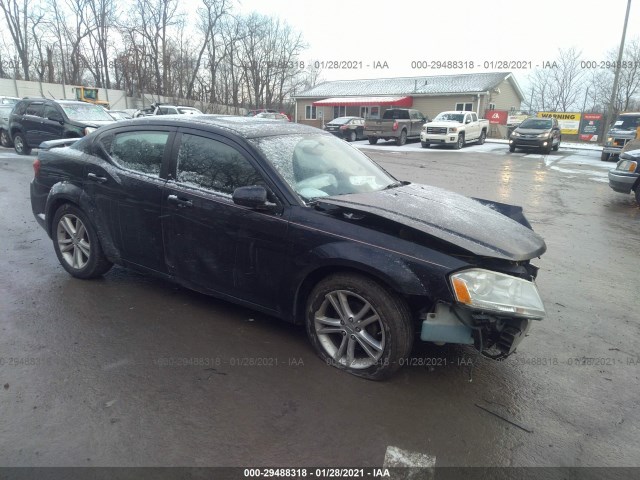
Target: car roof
[62,102]
[247,127]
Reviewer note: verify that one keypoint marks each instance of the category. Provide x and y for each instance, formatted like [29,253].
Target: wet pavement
[134,371]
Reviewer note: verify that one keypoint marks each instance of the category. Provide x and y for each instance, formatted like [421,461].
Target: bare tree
[559,86]
[18,20]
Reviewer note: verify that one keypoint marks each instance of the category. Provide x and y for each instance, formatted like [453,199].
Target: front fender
[407,276]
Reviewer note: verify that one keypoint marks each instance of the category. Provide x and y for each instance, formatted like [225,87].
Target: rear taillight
[395,125]
[343,127]
[36,167]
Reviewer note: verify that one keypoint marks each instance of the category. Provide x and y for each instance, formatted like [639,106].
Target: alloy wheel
[73,241]
[349,329]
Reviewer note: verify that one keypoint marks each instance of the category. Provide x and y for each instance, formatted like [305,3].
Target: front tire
[605,156]
[20,145]
[373,140]
[638,195]
[76,243]
[512,148]
[425,144]
[352,136]
[358,326]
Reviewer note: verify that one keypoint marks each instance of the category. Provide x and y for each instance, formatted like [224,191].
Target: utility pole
[616,76]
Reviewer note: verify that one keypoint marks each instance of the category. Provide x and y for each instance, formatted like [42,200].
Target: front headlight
[88,130]
[544,135]
[453,129]
[488,290]
[627,166]
[515,134]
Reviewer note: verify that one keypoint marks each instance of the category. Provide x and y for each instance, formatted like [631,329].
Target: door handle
[179,202]
[96,178]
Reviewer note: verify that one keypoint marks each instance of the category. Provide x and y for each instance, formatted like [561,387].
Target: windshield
[450,117]
[84,112]
[536,123]
[319,165]
[627,122]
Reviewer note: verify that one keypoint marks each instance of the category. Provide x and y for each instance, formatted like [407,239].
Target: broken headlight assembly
[496,292]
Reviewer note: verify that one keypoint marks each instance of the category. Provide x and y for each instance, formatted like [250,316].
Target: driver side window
[213,165]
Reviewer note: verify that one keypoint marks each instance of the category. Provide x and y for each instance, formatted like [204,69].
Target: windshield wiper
[393,185]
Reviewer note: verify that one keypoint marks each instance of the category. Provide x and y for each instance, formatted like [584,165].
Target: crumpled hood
[476,226]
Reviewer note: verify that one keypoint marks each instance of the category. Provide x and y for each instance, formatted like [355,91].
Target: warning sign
[569,122]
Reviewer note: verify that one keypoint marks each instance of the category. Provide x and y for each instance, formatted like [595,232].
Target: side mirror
[254,197]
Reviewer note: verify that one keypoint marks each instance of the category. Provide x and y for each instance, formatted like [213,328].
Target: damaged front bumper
[494,335]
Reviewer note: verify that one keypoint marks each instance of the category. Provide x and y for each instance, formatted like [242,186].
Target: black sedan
[349,128]
[291,221]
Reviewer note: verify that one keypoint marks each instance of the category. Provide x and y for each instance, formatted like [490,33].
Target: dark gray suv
[539,133]
[36,120]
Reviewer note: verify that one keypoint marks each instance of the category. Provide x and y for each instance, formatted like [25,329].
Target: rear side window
[138,151]
[207,163]
[20,108]
[396,115]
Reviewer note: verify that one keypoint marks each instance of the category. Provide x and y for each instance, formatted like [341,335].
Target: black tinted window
[35,109]
[20,108]
[51,112]
[207,163]
[139,151]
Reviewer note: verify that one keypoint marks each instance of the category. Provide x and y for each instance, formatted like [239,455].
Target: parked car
[400,124]
[539,133]
[349,128]
[289,220]
[164,109]
[253,113]
[9,100]
[625,178]
[119,114]
[455,128]
[36,120]
[5,113]
[273,116]
[623,130]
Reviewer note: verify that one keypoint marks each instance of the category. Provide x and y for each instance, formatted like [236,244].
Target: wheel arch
[65,192]
[409,287]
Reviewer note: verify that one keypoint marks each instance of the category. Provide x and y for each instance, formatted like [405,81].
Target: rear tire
[373,140]
[5,139]
[20,145]
[357,325]
[482,138]
[402,139]
[77,244]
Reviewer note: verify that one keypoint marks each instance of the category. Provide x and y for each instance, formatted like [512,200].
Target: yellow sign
[569,122]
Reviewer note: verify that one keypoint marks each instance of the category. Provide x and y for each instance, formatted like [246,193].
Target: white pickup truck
[454,128]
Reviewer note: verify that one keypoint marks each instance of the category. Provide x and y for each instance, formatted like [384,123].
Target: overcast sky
[402,31]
